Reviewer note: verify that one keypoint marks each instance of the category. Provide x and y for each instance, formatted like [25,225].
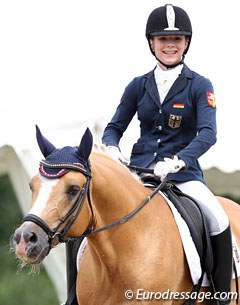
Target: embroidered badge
[174,121]
[211,99]
[178,105]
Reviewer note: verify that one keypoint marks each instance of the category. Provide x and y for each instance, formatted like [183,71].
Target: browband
[63,169]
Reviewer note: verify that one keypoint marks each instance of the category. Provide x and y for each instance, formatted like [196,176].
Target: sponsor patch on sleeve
[211,99]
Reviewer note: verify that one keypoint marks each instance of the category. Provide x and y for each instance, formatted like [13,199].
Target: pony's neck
[116,193]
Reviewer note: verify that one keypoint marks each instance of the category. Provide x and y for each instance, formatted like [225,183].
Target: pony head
[53,213]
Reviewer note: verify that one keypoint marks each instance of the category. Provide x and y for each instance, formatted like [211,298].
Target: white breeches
[214,213]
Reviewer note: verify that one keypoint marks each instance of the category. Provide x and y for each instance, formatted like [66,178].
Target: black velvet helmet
[168,20]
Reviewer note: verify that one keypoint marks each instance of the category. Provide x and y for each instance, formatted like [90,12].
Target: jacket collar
[179,84]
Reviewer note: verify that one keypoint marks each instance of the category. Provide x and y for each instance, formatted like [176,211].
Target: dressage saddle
[192,214]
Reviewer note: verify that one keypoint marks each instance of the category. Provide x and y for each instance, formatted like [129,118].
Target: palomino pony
[78,194]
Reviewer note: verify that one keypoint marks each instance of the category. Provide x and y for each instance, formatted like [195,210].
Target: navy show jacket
[183,125]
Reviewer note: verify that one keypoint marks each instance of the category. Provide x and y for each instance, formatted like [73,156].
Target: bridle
[75,210]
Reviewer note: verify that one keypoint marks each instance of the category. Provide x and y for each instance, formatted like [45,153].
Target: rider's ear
[45,146]
[85,146]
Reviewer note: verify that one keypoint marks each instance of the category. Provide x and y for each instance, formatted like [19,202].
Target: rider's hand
[115,153]
[163,168]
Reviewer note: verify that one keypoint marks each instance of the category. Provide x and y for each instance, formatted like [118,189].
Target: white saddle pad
[191,251]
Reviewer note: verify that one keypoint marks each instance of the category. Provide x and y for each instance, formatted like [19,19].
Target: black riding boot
[71,269]
[223,264]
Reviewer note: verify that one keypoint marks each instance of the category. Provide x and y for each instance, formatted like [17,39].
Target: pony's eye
[73,190]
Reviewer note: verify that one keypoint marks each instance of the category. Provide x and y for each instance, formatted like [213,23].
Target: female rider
[177,114]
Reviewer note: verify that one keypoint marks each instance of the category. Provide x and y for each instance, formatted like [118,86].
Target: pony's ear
[45,146]
[85,146]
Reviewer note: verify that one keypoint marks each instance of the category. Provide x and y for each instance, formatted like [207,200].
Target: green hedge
[18,287]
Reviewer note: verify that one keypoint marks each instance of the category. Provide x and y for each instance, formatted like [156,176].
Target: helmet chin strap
[173,65]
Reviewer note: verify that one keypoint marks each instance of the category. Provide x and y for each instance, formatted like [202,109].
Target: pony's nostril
[33,237]
[30,237]
[16,237]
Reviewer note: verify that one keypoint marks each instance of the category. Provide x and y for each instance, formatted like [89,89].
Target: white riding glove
[163,168]
[114,152]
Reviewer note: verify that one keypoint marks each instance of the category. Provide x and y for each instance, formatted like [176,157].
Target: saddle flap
[192,214]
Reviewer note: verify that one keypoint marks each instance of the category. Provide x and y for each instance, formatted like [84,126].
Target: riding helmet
[168,20]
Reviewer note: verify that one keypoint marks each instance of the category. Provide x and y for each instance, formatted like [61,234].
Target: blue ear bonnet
[66,154]
[61,157]
[59,161]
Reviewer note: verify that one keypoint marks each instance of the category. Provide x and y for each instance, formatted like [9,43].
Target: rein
[130,215]
[138,168]
[75,210]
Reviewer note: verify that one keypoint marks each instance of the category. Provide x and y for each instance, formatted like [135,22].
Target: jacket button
[159,127]
[155,154]
[159,140]
[160,111]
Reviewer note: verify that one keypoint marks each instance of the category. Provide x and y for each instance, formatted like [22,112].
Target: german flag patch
[178,105]
[211,99]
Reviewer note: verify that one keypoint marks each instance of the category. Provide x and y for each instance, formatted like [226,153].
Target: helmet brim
[170,32]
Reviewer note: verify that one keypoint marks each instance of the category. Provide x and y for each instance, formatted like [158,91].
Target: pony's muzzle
[30,243]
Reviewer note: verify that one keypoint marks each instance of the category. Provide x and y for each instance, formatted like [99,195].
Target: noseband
[75,210]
